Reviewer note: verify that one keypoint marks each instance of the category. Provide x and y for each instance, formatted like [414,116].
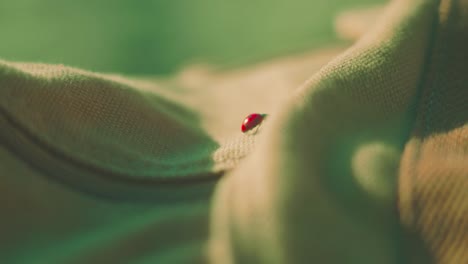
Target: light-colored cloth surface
[117,170]
[365,162]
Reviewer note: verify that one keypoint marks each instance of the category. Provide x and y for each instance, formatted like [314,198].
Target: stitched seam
[188,179]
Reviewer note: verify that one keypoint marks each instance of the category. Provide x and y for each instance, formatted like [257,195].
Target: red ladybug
[251,121]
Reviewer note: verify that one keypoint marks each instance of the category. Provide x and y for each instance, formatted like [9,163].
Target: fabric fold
[326,167]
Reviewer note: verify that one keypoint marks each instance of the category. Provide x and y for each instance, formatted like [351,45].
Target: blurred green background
[160,36]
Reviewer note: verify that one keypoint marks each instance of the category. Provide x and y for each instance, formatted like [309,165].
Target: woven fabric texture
[362,159]
[328,171]
[433,185]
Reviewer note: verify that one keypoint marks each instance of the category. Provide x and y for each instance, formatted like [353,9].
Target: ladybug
[252,121]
